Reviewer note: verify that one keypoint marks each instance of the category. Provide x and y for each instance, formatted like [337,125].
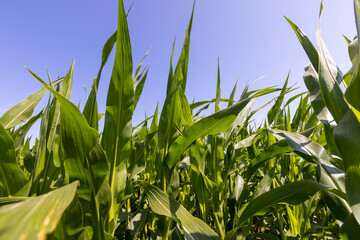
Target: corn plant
[180,175]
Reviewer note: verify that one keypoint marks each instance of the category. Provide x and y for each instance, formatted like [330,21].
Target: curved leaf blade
[163,204]
[36,217]
[291,193]
[211,125]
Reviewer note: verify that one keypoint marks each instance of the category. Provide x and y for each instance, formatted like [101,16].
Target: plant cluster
[185,176]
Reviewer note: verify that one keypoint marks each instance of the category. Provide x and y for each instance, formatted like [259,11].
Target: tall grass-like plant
[180,176]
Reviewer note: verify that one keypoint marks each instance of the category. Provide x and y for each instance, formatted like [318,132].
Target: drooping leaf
[163,204]
[211,125]
[291,193]
[35,217]
[22,111]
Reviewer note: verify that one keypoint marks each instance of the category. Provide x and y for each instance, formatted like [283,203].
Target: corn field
[178,174]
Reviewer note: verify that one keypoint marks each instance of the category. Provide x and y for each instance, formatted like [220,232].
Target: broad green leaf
[265,184]
[273,150]
[48,161]
[313,85]
[305,147]
[22,111]
[163,204]
[71,227]
[291,193]
[328,174]
[11,175]
[118,117]
[211,125]
[83,157]
[306,44]
[331,81]
[350,229]
[347,137]
[35,217]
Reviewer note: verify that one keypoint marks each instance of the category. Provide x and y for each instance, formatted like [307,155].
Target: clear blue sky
[251,38]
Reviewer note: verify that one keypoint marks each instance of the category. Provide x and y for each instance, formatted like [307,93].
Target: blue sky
[251,38]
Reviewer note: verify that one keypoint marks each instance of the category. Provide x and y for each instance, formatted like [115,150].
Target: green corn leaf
[240,118]
[276,108]
[118,117]
[329,175]
[83,157]
[11,176]
[186,114]
[347,138]
[48,161]
[322,113]
[211,125]
[265,184]
[170,116]
[91,110]
[181,68]
[353,49]
[350,229]
[163,204]
[139,87]
[291,193]
[306,44]
[232,94]
[331,81]
[352,92]
[20,133]
[35,217]
[218,89]
[22,111]
[305,147]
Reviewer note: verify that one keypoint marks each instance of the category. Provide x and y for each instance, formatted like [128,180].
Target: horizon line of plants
[184,176]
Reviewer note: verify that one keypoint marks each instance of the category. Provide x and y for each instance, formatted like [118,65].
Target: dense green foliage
[185,176]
